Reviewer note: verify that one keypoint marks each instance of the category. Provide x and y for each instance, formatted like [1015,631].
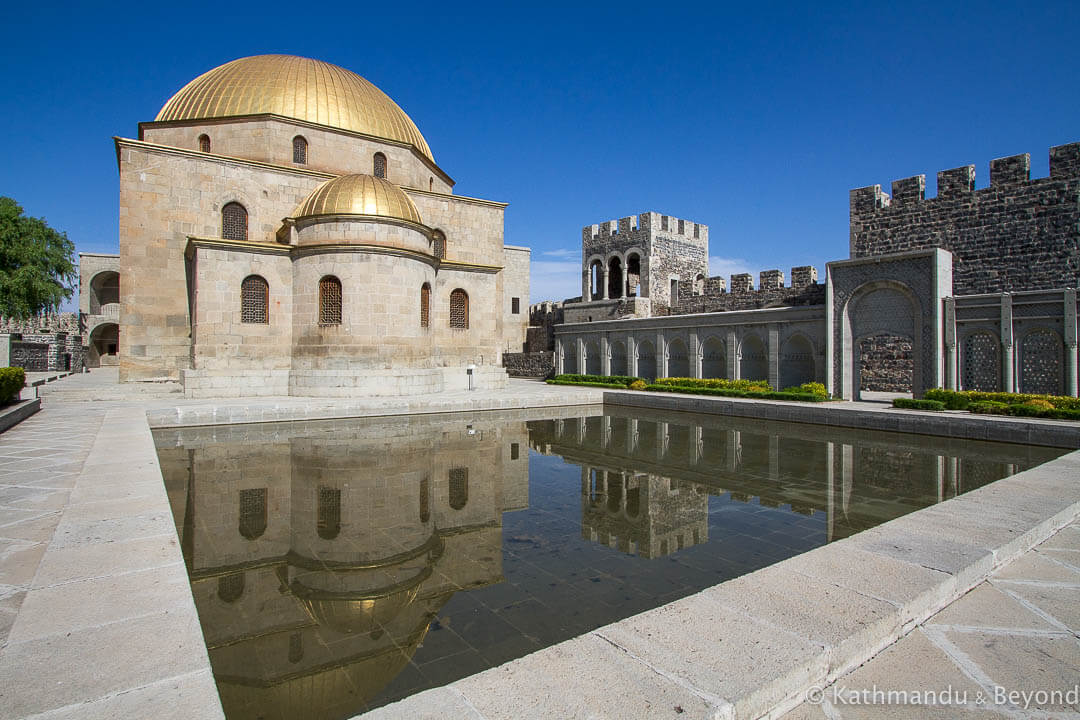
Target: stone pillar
[734,440]
[939,472]
[774,356]
[661,440]
[605,355]
[774,457]
[732,356]
[5,349]
[847,476]
[661,356]
[1070,342]
[558,356]
[632,439]
[580,346]
[950,344]
[605,426]
[695,355]
[586,285]
[631,356]
[697,445]
[1008,382]
[603,276]
[829,482]
[625,282]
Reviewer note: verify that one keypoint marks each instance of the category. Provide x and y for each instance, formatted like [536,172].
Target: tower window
[425,305]
[329,301]
[329,513]
[438,244]
[459,309]
[459,487]
[299,150]
[204,143]
[254,300]
[234,222]
[431,183]
[252,522]
[380,166]
[515,306]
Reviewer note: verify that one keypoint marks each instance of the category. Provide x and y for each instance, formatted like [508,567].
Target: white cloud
[554,280]
[565,253]
[726,267]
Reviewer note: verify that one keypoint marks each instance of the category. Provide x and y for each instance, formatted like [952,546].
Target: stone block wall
[1016,234]
[529,364]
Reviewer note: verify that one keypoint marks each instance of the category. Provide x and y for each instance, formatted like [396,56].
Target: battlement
[1006,172]
[769,280]
[648,222]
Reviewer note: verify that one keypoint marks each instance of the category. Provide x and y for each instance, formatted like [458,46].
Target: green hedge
[732,392]
[909,404]
[12,380]
[717,383]
[988,407]
[566,378]
[587,383]
[961,399]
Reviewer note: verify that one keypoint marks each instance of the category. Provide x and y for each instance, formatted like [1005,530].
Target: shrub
[910,404]
[814,388]
[573,378]
[1039,402]
[988,407]
[1061,402]
[714,383]
[1028,409]
[756,392]
[638,385]
[12,380]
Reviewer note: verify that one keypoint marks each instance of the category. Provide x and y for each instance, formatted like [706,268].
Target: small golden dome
[298,88]
[359,195]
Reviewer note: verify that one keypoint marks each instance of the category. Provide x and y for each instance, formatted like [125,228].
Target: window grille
[438,245]
[329,301]
[329,512]
[380,165]
[204,143]
[230,587]
[514,451]
[425,500]
[252,513]
[459,309]
[425,305]
[515,306]
[980,366]
[1040,363]
[254,300]
[459,487]
[299,150]
[234,224]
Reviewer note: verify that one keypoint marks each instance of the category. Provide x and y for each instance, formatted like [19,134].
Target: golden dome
[359,195]
[298,88]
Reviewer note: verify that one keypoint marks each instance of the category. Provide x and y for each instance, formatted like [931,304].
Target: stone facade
[181,269]
[529,364]
[51,342]
[974,289]
[99,307]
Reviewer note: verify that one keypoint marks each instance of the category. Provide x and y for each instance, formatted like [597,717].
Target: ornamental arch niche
[104,291]
[618,358]
[646,359]
[753,360]
[980,361]
[593,365]
[713,358]
[796,361]
[883,338]
[678,359]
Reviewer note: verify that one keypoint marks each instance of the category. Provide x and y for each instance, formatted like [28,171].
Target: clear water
[341,565]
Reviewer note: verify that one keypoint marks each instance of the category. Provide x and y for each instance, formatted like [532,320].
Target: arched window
[438,244]
[299,150]
[459,487]
[252,522]
[380,165]
[459,309]
[430,183]
[204,143]
[328,523]
[425,305]
[230,587]
[254,300]
[329,301]
[234,222]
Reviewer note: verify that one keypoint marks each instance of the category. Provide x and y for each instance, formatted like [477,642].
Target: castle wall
[515,287]
[270,140]
[1016,234]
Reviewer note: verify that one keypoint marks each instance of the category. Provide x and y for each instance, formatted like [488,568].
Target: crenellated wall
[1016,234]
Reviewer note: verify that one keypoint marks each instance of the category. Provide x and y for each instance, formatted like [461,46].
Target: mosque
[286,230]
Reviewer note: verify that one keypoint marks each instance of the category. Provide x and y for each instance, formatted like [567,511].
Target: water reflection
[340,565]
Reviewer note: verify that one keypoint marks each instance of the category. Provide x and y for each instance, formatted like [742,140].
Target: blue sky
[755,119]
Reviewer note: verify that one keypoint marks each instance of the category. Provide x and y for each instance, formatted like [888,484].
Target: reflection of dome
[359,195]
[358,615]
[298,88]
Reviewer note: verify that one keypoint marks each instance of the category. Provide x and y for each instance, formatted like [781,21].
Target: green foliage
[715,383]
[637,385]
[988,407]
[585,383]
[569,378]
[756,392]
[12,380]
[910,404]
[813,388]
[959,399]
[37,263]
[1028,409]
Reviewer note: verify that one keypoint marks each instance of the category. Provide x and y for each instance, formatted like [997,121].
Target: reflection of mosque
[318,557]
[645,483]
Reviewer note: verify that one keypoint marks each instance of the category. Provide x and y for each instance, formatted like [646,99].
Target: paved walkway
[1000,651]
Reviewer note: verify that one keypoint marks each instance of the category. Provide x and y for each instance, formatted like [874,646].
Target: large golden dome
[294,87]
[359,195]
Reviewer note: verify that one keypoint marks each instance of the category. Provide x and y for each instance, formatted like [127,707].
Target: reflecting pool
[341,565]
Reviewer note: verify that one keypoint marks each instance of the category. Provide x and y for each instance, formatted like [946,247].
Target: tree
[37,264]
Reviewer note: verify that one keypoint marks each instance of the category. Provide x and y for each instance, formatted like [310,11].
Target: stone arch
[569,356]
[593,364]
[104,291]
[614,276]
[753,358]
[1040,362]
[980,361]
[646,360]
[104,345]
[796,361]
[596,279]
[699,284]
[636,279]
[713,358]
[881,312]
[618,358]
[678,359]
